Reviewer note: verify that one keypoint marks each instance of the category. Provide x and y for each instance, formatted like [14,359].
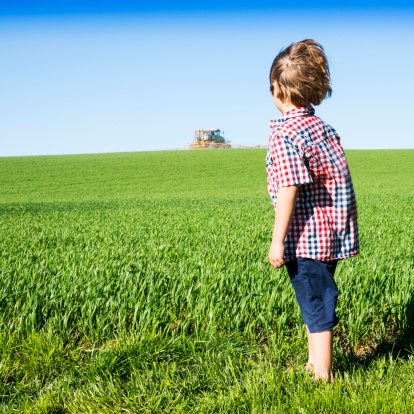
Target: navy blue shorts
[316,292]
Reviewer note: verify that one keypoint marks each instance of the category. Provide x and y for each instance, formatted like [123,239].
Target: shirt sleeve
[288,164]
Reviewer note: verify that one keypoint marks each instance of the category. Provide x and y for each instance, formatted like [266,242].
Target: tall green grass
[149,271]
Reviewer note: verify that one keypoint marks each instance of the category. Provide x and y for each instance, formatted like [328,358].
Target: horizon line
[186,149]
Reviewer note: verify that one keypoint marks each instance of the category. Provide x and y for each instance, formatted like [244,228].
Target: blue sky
[53,7]
[111,77]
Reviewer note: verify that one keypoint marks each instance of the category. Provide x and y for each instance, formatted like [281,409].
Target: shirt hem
[324,258]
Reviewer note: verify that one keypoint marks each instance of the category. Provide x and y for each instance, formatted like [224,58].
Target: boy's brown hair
[301,72]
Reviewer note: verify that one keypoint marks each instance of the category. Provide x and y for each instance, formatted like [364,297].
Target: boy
[312,193]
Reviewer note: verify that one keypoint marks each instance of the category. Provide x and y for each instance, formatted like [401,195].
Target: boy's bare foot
[323,376]
[319,375]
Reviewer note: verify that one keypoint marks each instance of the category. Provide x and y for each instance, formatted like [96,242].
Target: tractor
[209,138]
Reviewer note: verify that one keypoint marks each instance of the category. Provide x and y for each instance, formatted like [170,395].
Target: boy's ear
[276,89]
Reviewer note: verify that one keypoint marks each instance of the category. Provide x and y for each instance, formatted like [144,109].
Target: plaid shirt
[305,151]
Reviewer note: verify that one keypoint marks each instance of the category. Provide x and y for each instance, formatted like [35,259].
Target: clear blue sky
[118,76]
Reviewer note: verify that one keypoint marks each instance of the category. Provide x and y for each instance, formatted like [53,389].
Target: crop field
[139,283]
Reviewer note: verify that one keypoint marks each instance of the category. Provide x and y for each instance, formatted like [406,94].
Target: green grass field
[139,283]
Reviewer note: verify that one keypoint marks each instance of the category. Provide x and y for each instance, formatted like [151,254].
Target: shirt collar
[296,112]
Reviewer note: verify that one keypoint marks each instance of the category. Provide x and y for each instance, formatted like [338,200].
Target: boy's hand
[276,253]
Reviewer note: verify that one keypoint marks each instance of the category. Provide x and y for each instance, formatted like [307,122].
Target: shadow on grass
[399,343]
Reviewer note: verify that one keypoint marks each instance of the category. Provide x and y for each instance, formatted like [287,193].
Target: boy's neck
[288,106]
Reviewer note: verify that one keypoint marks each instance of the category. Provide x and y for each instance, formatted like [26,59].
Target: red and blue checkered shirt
[305,151]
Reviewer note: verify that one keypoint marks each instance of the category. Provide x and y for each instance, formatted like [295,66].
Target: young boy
[312,192]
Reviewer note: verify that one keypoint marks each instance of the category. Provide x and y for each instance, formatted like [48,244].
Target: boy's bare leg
[311,359]
[322,354]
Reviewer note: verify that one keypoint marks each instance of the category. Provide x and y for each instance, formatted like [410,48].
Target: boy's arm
[285,206]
